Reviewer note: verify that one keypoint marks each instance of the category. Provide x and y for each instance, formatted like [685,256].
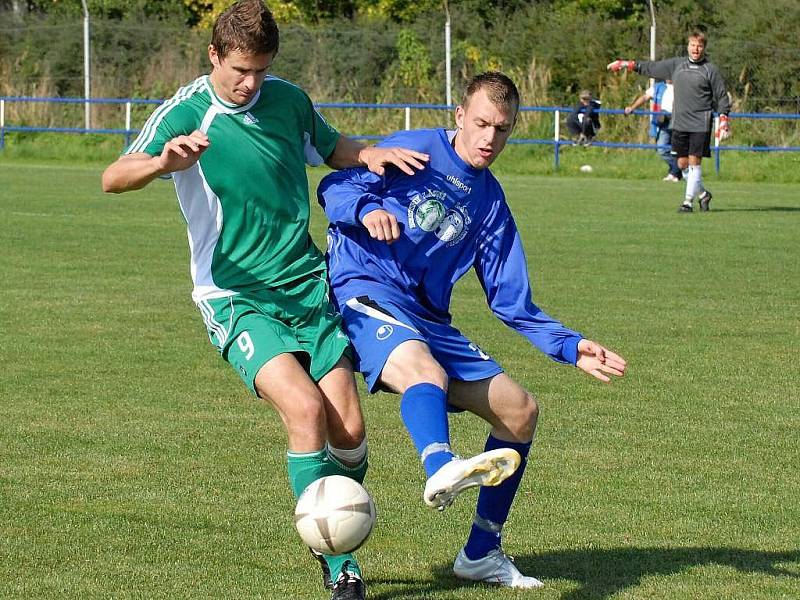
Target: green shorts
[253,327]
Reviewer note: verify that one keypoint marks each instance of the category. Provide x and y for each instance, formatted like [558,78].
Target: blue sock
[494,504]
[424,411]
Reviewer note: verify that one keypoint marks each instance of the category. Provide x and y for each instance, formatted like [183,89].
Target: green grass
[773,167]
[134,464]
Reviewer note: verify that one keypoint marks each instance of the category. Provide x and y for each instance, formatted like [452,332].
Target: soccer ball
[586,169]
[334,515]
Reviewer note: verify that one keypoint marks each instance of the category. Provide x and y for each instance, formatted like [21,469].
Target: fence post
[2,123]
[556,135]
[127,123]
[408,118]
[716,145]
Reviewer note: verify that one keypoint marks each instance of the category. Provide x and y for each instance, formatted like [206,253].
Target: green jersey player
[236,143]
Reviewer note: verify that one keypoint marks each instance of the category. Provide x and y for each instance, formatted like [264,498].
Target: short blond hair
[500,90]
[698,35]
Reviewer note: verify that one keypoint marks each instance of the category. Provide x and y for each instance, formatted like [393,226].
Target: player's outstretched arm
[636,103]
[598,361]
[134,171]
[350,153]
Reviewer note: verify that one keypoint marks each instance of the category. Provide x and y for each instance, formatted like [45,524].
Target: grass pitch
[133,463]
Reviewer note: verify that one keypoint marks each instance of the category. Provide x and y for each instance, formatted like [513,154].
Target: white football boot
[495,568]
[488,468]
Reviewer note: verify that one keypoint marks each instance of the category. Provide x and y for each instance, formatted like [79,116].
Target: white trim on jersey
[212,112]
[376,314]
[230,109]
[312,156]
[202,211]
[148,132]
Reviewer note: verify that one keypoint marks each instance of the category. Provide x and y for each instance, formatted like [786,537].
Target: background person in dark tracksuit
[699,91]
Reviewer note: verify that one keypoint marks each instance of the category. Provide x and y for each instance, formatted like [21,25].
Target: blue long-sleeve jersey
[452,217]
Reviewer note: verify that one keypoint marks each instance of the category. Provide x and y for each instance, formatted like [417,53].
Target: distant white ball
[334,515]
[586,169]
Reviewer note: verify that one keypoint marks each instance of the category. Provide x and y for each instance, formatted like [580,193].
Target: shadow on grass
[603,573]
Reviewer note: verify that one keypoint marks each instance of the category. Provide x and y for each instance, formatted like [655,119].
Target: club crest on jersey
[453,228]
[249,119]
[426,210]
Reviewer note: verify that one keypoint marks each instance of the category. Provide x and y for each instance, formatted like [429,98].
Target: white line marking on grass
[46,215]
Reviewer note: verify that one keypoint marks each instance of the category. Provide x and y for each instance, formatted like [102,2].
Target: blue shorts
[377,327]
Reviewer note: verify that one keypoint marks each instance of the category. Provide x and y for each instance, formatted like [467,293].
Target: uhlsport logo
[384,331]
[459,184]
[426,210]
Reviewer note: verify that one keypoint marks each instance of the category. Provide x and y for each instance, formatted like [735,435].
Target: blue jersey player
[397,245]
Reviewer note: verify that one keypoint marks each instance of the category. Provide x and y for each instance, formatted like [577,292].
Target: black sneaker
[326,571]
[348,586]
[685,208]
[705,201]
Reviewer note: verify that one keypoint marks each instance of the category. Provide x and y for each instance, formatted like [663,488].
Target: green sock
[306,467]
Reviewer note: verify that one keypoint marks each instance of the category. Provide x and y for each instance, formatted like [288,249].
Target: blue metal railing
[556,142]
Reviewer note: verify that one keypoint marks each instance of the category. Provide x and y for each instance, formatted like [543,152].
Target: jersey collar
[226,107]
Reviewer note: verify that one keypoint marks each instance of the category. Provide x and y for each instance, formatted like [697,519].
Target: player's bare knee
[521,417]
[304,412]
[430,373]
[345,440]
[400,375]
[348,435]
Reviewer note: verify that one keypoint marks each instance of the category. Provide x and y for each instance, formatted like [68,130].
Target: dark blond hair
[500,90]
[247,26]
[698,35]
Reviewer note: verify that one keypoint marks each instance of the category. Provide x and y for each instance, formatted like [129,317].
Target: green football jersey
[246,201]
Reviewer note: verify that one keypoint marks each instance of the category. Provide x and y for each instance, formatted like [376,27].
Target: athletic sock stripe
[433,448]
[486,524]
[376,314]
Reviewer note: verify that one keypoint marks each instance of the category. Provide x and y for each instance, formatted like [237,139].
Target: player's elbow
[107,184]
[110,184]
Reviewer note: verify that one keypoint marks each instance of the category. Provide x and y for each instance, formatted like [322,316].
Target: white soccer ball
[334,515]
[586,169]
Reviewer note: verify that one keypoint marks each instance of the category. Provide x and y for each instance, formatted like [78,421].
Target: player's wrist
[367,207]
[363,155]
[159,167]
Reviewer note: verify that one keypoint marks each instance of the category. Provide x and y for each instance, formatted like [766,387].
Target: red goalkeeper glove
[724,129]
[621,65]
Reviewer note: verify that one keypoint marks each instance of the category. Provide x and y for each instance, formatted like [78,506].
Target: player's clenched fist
[621,65]
[183,151]
[382,225]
